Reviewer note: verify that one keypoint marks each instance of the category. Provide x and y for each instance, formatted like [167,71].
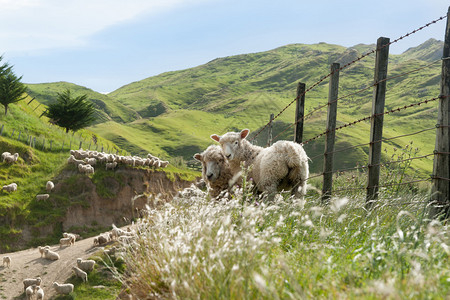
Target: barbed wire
[343,67]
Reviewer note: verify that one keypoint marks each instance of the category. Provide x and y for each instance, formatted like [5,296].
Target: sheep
[7,261]
[40,197]
[216,170]
[30,291]
[117,232]
[42,249]
[31,281]
[74,161]
[39,293]
[102,239]
[66,241]
[80,273]
[111,166]
[65,288]
[12,187]
[163,163]
[87,169]
[11,158]
[111,251]
[51,255]
[49,186]
[91,161]
[73,236]
[282,166]
[85,265]
[5,154]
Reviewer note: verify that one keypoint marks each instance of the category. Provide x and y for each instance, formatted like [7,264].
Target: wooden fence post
[299,113]
[376,128]
[12,134]
[80,144]
[269,134]
[43,144]
[440,193]
[18,138]
[330,133]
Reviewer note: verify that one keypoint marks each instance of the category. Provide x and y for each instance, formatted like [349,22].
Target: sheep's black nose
[228,156]
[209,175]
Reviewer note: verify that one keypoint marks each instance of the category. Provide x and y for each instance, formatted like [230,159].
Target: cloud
[29,25]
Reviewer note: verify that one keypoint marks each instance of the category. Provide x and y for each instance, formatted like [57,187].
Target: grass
[194,248]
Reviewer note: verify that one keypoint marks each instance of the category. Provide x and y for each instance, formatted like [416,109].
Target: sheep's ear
[244,133]
[198,156]
[216,137]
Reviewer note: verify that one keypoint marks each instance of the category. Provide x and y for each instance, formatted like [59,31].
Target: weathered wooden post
[43,144]
[80,144]
[299,113]
[18,138]
[440,193]
[330,133]
[1,130]
[269,134]
[376,128]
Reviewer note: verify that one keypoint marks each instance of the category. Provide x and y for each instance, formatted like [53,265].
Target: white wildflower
[338,203]
[259,281]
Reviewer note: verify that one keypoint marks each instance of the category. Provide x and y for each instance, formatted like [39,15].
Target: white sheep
[163,163]
[42,249]
[116,232]
[111,166]
[66,241]
[39,293]
[30,291]
[102,239]
[91,161]
[51,255]
[74,161]
[49,186]
[65,288]
[12,187]
[5,154]
[86,265]
[216,170]
[282,166]
[31,281]
[80,273]
[73,236]
[40,197]
[11,158]
[7,261]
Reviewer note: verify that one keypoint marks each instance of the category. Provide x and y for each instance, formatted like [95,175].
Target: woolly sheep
[30,291]
[85,265]
[111,166]
[39,293]
[73,236]
[7,261]
[216,170]
[66,241]
[65,288]
[51,255]
[101,239]
[80,273]
[74,161]
[116,232]
[11,158]
[30,281]
[12,187]
[40,197]
[49,186]
[163,163]
[91,161]
[5,154]
[282,166]
[42,249]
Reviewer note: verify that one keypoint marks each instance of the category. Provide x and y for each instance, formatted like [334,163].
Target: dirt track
[29,264]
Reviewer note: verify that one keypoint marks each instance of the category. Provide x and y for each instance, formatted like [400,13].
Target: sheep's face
[212,162]
[231,143]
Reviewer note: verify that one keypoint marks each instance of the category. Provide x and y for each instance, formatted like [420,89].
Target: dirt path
[29,264]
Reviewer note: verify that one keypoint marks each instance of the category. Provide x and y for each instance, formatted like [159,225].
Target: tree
[71,113]
[11,89]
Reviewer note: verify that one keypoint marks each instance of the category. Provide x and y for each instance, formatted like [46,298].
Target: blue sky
[105,44]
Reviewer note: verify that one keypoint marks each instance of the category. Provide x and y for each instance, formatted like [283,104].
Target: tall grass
[194,248]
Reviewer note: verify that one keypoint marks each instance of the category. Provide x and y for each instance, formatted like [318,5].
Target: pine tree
[11,89]
[71,113]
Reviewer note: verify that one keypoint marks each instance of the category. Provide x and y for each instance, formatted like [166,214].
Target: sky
[106,44]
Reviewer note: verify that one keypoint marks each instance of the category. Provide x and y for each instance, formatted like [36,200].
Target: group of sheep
[282,166]
[115,234]
[85,160]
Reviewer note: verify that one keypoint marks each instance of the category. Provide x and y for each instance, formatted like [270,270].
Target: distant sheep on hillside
[12,187]
[49,186]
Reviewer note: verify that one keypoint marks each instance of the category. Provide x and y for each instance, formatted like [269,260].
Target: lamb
[73,236]
[42,249]
[111,166]
[39,293]
[31,281]
[40,197]
[66,241]
[30,291]
[49,186]
[85,265]
[51,255]
[80,273]
[7,261]
[65,288]
[12,187]
[216,170]
[11,158]
[282,166]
